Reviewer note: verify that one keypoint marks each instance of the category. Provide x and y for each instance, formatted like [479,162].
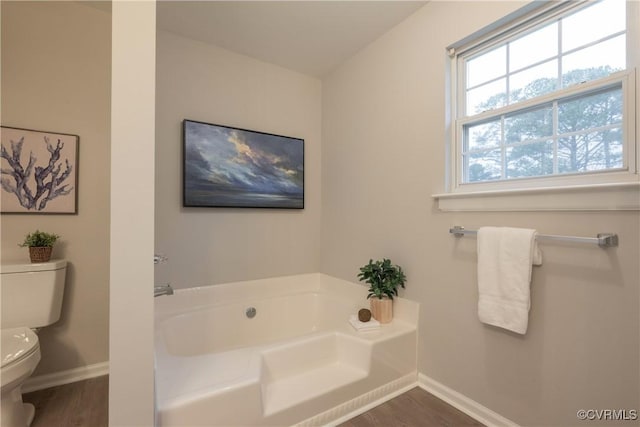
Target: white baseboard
[65,377]
[461,402]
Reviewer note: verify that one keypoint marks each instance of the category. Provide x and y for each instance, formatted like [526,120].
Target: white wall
[131,356]
[382,158]
[56,62]
[216,245]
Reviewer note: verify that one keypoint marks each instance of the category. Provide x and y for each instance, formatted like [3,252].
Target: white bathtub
[297,361]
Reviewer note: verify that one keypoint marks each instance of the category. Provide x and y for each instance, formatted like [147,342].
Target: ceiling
[312,37]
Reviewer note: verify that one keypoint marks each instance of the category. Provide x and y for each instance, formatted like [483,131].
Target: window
[546,99]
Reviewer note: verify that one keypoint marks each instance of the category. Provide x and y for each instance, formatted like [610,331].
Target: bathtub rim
[191,299]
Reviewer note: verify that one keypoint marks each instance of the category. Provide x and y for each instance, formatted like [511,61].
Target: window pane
[593,23]
[534,47]
[535,124]
[600,109]
[483,166]
[533,82]
[520,123]
[594,62]
[484,135]
[487,67]
[487,97]
[530,160]
[590,151]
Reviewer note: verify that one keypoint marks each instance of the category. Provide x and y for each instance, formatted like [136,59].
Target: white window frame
[598,190]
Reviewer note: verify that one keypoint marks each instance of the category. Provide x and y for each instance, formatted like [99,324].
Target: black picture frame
[231,167]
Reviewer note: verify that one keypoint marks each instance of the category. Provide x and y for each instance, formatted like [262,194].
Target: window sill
[600,197]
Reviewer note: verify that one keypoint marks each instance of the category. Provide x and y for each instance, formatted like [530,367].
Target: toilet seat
[20,356]
[17,344]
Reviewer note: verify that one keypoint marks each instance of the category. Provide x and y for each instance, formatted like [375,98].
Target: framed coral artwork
[39,172]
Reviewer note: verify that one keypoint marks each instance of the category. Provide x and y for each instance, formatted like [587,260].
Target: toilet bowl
[31,298]
[20,356]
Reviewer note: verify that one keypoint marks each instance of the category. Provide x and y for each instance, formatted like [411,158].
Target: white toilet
[31,298]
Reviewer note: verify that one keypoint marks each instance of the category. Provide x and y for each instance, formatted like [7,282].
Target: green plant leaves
[39,239]
[383,278]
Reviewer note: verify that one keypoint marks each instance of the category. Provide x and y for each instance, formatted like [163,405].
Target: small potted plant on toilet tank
[40,245]
[383,278]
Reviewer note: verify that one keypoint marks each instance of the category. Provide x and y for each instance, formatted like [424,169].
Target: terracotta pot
[382,309]
[40,253]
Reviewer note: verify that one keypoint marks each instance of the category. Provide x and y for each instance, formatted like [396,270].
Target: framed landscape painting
[231,167]
[39,171]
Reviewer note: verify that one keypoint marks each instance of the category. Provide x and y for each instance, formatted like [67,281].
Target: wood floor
[415,408]
[85,404]
[80,404]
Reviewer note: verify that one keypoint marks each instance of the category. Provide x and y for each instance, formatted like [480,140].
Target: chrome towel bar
[604,240]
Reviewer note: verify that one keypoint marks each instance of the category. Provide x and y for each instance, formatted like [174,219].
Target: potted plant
[40,245]
[384,279]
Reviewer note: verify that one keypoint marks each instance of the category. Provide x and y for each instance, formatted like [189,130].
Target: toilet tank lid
[56,264]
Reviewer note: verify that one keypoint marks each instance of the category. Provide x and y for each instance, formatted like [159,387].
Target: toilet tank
[31,294]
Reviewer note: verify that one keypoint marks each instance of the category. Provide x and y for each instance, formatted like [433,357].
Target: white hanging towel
[505,257]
